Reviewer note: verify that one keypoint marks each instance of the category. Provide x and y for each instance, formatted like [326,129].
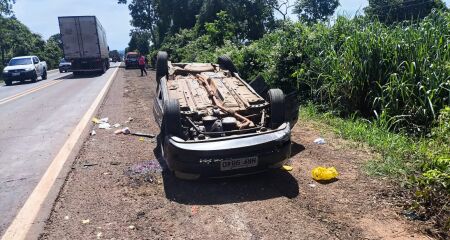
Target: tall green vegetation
[313,11]
[389,11]
[162,18]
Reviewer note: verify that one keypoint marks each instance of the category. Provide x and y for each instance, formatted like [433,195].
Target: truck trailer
[84,44]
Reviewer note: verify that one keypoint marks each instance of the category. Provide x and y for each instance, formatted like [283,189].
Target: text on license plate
[238,163]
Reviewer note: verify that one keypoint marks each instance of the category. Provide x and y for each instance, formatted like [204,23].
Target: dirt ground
[117,189]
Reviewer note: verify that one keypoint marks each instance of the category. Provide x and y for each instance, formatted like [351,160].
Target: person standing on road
[142,65]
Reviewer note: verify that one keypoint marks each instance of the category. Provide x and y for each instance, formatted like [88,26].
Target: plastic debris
[95,120]
[320,141]
[131,227]
[312,185]
[141,139]
[66,218]
[85,221]
[117,125]
[99,235]
[93,133]
[324,174]
[104,125]
[287,168]
[125,131]
[104,120]
[194,210]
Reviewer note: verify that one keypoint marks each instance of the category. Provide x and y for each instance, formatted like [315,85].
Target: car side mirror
[35,62]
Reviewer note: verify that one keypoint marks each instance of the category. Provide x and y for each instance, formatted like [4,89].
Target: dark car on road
[64,66]
[132,60]
[214,124]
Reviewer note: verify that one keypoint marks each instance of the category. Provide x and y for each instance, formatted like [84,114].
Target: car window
[37,59]
[132,56]
[20,61]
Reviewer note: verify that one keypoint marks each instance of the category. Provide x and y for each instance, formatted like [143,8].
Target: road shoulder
[118,188]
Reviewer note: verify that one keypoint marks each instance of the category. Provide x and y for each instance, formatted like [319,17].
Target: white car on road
[24,68]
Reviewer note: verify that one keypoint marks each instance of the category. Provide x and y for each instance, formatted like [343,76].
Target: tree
[282,7]
[221,29]
[56,38]
[140,41]
[390,11]
[6,7]
[312,11]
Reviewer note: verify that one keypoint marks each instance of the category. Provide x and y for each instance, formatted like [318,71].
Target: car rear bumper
[22,76]
[272,150]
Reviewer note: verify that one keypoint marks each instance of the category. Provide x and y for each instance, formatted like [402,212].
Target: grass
[399,156]
[421,164]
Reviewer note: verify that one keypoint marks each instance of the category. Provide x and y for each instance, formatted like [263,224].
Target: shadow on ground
[262,186]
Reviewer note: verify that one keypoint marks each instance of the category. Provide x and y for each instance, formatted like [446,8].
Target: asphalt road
[35,121]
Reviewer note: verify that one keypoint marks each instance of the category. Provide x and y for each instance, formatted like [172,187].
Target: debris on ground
[99,235]
[312,185]
[117,125]
[104,126]
[125,131]
[140,134]
[130,119]
[85,221]
[324,174]
[287,168]
[93,133]
[141,139]
[320,141]
[131,227]
[102,123]
[194,210]
[144,171]
[66,218]
[89,164]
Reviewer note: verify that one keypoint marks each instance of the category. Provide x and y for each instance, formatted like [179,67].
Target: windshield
[20,61]
[63,61]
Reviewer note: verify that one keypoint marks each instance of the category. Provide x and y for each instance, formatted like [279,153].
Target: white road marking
[23,221]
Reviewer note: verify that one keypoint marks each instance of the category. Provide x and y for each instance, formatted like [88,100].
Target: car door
[37,66]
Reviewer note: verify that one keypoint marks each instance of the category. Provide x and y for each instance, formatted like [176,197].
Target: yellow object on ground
[324,174]
[95,120]
[142,139]
[287,168]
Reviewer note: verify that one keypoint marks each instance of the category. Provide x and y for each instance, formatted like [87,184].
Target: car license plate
[15,74]
[238,163]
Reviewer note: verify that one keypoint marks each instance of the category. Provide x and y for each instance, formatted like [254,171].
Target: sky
[42,16]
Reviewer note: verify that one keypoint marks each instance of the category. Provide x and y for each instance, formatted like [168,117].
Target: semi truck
[84,44]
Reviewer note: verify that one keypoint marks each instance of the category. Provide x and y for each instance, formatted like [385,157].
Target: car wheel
[172,118]
[277,108]
[61,71]
[34,78]
[8,82]
[44,75]
[162,65]
[226,63]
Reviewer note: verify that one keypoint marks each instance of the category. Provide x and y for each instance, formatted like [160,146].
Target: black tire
[162,65]
[61,71]
[172,118]
[8,82]
[226,63]
[44,75]
[104,67]
[34,78]
[277,107]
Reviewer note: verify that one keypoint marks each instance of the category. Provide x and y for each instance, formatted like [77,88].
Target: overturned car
[214,124]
